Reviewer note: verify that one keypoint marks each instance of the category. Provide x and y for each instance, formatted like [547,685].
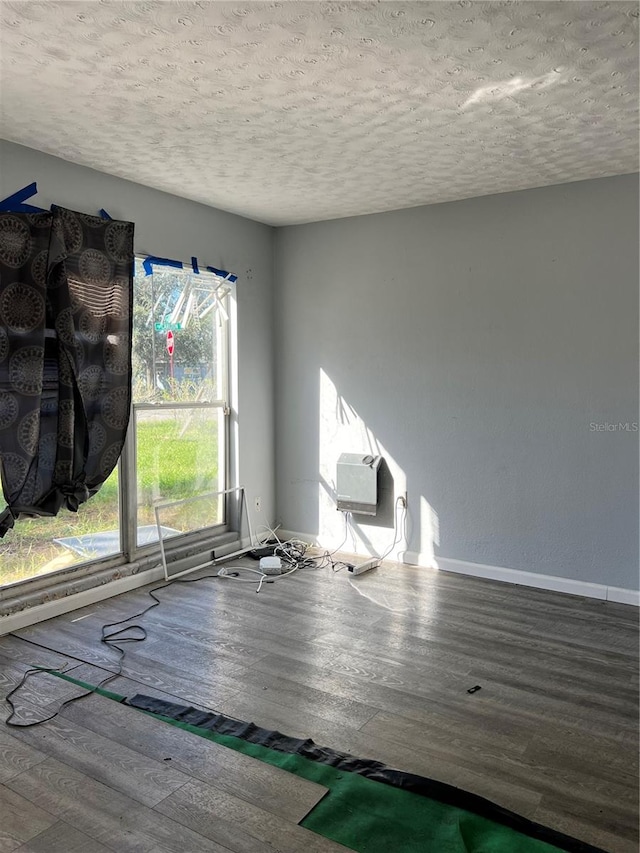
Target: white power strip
[366,566]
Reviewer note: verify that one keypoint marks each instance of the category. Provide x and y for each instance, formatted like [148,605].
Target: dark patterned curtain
[66,290]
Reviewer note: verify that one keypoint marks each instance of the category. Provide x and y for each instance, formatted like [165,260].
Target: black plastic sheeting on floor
[369,768]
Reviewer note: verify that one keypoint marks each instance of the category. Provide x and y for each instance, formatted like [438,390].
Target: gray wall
[173,227]
[473,344]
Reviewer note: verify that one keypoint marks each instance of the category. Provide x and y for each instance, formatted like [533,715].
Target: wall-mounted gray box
[357,483]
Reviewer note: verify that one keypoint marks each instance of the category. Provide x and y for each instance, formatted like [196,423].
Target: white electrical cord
[267,529]
[292,551]
[283,549]
[397,529]
[347,518]
[225,573]
[231,576]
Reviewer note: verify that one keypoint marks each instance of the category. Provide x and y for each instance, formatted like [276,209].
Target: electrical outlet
[258,504]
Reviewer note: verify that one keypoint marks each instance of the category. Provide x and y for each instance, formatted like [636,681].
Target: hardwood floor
[378,666]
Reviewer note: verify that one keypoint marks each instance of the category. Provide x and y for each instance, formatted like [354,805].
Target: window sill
[28,602]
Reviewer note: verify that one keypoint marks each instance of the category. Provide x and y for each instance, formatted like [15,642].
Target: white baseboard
[533,579]
[40,612]
[623,596]
[425,561]
[499,573]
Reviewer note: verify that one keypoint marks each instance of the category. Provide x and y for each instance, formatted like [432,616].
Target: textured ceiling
[299,111]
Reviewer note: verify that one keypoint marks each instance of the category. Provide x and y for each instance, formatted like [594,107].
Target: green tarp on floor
[372,817]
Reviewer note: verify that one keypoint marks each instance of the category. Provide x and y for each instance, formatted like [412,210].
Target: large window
[179,394]
[177,441]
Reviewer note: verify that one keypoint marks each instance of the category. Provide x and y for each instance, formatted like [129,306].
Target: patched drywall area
[488,349]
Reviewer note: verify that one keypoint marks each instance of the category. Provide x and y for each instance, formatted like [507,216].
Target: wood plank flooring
[378,666]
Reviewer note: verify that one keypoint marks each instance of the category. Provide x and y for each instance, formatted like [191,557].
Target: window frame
[177,545]
[181,547]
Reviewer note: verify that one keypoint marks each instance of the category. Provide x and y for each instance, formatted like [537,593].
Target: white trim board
[499,573]
[533,579]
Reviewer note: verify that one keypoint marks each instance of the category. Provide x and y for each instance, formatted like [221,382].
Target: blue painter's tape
[104,214]
[223,274]
[15,203]
[152,261]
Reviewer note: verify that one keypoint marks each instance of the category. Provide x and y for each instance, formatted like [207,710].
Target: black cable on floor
[137,634]
[292,553]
